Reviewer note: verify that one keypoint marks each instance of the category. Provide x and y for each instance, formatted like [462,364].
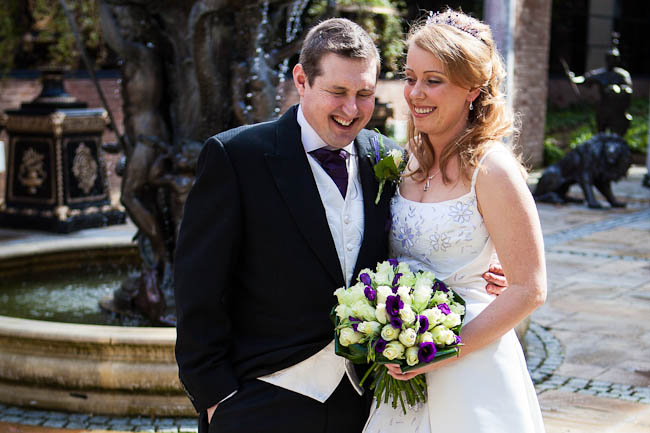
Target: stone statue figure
[190,68]
[615,89]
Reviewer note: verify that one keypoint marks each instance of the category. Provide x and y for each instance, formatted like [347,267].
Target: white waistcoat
[318,376]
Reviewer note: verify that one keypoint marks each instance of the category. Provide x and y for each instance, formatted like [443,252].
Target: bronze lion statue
[597,162]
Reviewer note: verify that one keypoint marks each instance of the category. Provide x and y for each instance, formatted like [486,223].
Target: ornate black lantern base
[56,177]
[68,225]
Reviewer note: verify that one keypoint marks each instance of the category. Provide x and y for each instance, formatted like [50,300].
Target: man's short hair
[338,36]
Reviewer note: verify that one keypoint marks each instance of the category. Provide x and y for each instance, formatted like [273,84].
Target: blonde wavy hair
[465,47]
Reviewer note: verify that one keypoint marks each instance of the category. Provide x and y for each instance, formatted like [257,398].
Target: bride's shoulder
[498,163]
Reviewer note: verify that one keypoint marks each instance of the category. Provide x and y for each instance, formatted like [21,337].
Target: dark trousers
[262,407]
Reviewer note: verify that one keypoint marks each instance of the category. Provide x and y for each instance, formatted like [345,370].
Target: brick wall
[532,35]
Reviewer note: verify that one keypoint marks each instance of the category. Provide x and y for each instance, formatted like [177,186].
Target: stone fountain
[119,370]
[178,61]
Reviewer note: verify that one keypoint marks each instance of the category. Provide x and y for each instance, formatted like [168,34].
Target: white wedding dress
[487,391]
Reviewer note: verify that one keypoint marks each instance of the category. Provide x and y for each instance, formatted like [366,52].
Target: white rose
[457,308]
[369,328]
[407,279]
[429,275]
[407,337]
[383,292]
[385,274]
[403,268]
[340,294]
[389,333]
[425,337]
[381,315]
[349,336]
[343,311]
[407,315]
[412,355]
[443,336]
[404,294]
[397,157]
[440,298]
[422,282]
[384,266]
[357,293]
[363,310]
[451,320]
[433,315]
[393,350]
[421,297]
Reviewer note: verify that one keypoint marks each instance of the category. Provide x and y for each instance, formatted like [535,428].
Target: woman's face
[439,107]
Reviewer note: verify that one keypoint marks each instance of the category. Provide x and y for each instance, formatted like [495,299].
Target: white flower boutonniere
[388,165]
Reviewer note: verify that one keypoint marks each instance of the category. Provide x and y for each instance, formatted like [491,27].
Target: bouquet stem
[385,387]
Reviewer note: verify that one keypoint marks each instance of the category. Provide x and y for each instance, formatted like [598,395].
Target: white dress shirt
[318,376]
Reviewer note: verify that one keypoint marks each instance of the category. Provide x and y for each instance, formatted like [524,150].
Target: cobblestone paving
[599,226]
[544,356]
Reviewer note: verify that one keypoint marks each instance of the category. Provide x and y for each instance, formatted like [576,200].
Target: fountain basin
[97,369]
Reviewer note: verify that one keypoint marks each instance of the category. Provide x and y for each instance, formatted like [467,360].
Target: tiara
[453,21]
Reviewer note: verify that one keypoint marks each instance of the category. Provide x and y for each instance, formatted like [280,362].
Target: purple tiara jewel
[453,21]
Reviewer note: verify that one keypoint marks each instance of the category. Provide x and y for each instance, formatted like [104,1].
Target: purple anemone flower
[396,322]
[439,285]
[380,345]
[427,352]
[355,322]
[393,262]
[424,324]
[371,294]
[396,279]
[393,305]
[365,279]
[444,308]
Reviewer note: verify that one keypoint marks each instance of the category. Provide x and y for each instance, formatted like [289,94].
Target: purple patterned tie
[333,162]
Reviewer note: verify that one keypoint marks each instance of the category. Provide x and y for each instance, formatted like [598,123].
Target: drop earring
[471,105]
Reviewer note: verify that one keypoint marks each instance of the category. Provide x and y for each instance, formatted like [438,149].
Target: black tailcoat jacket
[255,264]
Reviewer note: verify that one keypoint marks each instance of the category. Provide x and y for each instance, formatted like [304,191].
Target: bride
[462,198]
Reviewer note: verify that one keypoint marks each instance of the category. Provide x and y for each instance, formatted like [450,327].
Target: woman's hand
[496,279]
[396,371]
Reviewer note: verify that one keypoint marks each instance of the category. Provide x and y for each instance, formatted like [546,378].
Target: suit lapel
[375,216]
[295,181]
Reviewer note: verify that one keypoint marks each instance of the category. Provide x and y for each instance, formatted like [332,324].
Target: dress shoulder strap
[496,148]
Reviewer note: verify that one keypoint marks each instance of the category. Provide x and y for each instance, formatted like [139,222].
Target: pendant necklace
[426,185]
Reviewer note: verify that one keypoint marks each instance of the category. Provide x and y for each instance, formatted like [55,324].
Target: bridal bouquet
[395,316]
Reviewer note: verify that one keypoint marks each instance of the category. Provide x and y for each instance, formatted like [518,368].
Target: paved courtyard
[588,346]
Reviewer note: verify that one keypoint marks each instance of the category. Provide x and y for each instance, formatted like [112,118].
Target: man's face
[341,100]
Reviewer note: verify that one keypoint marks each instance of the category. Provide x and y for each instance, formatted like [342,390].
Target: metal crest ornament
[31,171]
[84,168]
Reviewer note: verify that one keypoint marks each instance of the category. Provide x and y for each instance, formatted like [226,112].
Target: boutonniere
[388,165]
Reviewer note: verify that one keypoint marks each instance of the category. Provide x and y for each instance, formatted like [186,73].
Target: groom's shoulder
[244,142]
[246,135]
[366,136]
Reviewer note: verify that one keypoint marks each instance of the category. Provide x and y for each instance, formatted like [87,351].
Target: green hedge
[568,127]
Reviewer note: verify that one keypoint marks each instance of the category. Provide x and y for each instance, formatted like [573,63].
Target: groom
[282,213]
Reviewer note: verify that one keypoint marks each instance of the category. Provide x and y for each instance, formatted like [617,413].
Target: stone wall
[532,36]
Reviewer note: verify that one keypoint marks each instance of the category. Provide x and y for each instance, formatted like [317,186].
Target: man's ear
[299,79]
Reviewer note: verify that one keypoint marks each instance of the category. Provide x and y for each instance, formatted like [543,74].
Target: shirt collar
[310,138]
